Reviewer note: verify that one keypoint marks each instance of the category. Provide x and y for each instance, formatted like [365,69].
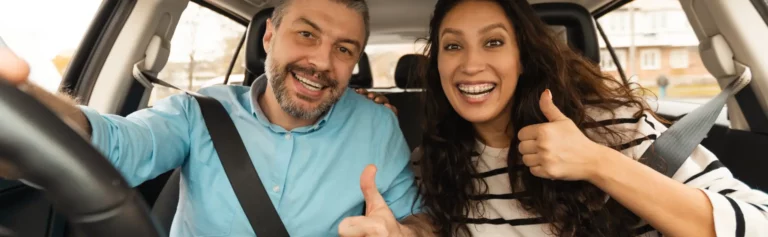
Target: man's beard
[277,75]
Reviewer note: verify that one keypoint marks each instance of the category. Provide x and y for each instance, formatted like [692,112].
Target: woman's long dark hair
[448,176]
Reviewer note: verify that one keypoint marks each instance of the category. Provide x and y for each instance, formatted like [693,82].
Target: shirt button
[288,136]
[276,189]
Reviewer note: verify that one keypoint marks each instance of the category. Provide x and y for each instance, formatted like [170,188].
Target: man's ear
[270,31]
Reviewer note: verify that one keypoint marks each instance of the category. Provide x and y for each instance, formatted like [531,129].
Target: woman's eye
[452,47]
[494,43]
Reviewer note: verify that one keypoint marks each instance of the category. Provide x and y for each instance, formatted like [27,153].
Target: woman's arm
[710,202]
[667,205]
[702,199]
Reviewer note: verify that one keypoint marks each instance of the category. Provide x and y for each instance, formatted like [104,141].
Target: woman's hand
[558,149]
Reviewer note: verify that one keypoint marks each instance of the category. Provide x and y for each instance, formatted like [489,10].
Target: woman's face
[478,60]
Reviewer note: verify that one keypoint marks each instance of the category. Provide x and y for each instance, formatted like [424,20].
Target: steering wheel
[79,181]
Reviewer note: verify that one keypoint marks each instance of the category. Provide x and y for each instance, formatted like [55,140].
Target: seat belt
[673,147]
[237,164]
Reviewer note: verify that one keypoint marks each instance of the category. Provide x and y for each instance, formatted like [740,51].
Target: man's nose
[320,58]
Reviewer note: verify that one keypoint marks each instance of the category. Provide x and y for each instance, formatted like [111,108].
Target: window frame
[233,61]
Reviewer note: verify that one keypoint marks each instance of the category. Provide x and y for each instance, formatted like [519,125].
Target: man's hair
[360,6]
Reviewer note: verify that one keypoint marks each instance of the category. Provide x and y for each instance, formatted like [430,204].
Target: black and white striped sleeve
[738,209]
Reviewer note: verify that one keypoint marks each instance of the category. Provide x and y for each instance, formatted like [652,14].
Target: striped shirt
[738,209]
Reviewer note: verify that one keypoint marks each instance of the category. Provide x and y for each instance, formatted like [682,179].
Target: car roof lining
[410,24]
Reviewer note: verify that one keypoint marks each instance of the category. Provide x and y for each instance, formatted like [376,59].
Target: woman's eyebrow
[492,26]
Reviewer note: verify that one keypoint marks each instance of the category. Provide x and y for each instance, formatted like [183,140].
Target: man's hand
[378,98]
[12,68]
[15,71]
[378,220]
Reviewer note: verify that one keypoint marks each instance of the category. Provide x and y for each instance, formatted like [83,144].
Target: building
[652,38]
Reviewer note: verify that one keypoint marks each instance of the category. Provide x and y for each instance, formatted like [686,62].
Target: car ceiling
[392,21]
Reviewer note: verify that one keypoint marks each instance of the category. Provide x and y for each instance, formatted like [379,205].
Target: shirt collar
[259,86]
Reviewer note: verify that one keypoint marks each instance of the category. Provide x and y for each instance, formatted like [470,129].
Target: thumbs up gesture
[378,220]
[558,149]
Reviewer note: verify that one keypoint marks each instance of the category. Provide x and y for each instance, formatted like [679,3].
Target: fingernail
[548,94]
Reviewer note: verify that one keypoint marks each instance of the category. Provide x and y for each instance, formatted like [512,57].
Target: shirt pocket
[208,211]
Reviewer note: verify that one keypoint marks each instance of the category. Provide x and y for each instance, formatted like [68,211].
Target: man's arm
[16,71]
[141,146]
[62,105]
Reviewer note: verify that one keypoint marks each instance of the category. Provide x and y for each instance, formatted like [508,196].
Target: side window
[29,30]
[201,51]
[657,49]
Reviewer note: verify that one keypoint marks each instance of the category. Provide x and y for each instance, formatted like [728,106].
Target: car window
[28,29]
[657,48]
[384,57]
[201,52]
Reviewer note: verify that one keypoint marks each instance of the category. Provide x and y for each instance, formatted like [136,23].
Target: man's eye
[494,43]
[305,34]
[452,47]
[344,50]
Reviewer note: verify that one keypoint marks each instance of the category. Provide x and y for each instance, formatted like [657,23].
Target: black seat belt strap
[237,164]
[673,147]
[242,175]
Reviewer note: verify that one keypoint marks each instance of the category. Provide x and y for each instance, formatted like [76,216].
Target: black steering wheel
[79,181]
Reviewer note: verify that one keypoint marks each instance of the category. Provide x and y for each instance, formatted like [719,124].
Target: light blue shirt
[312,174]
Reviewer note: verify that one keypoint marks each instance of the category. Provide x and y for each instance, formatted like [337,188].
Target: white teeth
[476,88]
[477,96]
[309,84]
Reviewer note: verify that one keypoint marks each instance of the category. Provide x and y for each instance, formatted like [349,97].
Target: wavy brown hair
[448,176]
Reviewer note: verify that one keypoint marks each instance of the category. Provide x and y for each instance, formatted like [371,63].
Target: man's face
[311,55]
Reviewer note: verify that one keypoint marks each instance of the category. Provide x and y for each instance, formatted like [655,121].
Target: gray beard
[277,74]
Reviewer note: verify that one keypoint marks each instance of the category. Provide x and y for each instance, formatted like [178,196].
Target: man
[308,136]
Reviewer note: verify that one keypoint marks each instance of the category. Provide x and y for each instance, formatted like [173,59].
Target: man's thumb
[368,185]
[549,109]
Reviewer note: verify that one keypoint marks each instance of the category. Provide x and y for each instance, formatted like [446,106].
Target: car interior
[126,34]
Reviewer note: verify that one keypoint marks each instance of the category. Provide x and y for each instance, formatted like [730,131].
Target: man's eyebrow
[310,23]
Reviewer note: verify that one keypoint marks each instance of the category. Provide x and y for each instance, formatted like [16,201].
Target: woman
[525,137]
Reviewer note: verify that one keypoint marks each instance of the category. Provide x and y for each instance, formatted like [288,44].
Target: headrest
[579,26]
[406,74]
[364,77]
[254,46]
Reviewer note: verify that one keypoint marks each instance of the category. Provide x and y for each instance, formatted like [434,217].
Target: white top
[738,209]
